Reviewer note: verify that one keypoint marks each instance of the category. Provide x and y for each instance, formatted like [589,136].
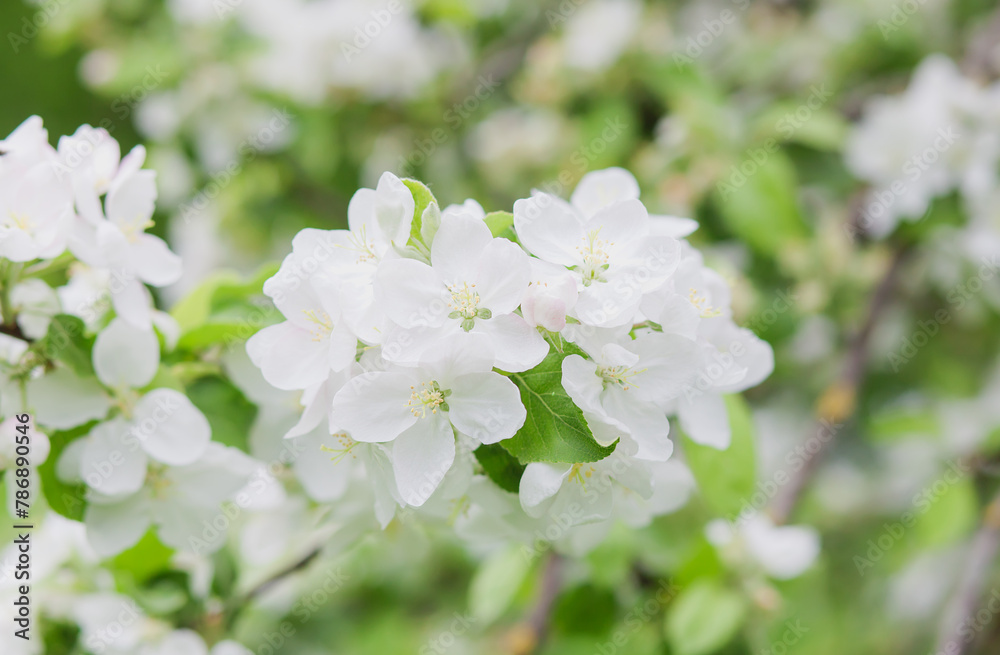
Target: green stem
[10,276]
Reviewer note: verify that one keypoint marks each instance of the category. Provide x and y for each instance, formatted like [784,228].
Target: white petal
[549,228]
[109,463]
[62,400]
[112,528]
[784,551]
[501,276]
[372,406]
[289,356]
[598,189]
[131,201]
[647,424]
[170,428]
[704,419]
[421,456]
[153,261]
[486,407]
[539,482]
[126,356]
[516,345]
[132,301]
[412,293]
[458,245]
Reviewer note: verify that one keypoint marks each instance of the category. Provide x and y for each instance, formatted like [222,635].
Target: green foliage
[66,342]
[66,499]
[223,309]
[761,206]
[142,561]
[726,478]
[555,429]
[228,412]
[704,617]
[497,581]
[500,466]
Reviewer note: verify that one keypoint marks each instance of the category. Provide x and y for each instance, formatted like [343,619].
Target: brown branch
[837,404]
[952,639]
[528,637]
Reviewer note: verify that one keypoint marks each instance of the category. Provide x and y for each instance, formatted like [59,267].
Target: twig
[837,404]
[529,637]
[238,603]
[952,638]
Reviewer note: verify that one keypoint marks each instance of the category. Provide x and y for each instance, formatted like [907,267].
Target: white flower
[313,342]
[182,501]
[931,139]
[467,295]
[119,242]
[733,359]
[162,425]
[783,552]
[625,391]
[379,219]
[578,494]
[598,32]
[419,410]
[610,248]
[11,439]
[36,202]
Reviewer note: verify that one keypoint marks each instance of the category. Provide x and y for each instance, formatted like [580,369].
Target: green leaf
[228,412]
[496,583]
[143,560]
[586,609]
[555,429]
[194,309]
[499,222]
[221,307]
[66,499]
[500,466]
[758,202]
[726,478]
[66,342]
[422,197]
[704,618]
[947,509]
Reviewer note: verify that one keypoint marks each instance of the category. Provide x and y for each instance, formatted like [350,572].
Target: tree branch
[952,638]
[529,637]
[837,404]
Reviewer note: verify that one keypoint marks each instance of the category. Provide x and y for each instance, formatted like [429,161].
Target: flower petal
[372,406]
[170,428]
[421,456]
[486,407]
[109,464]
[126,356]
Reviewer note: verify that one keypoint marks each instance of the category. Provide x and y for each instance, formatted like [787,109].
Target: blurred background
[840,157]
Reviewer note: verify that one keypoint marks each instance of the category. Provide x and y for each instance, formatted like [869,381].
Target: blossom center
[21,221]
[322,322]
[620,376]
[363,245]
[427,396]
[595,256]
[346,446]
[701,304]
[464,305]
[581,473]
[135,228]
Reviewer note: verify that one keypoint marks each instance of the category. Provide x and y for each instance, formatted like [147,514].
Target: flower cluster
[519,364]
[77,260]
[941,135]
